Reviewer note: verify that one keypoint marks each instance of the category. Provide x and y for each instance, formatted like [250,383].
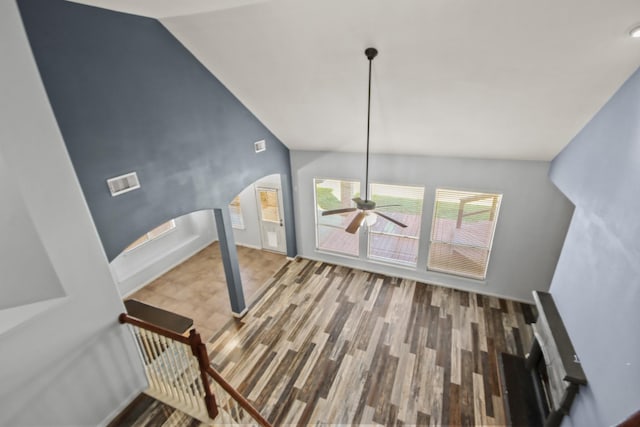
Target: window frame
[494,214]
[391,261]
[316,218]
[240,215]
[149,237]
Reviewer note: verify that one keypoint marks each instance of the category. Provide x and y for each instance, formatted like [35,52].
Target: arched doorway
[179,265]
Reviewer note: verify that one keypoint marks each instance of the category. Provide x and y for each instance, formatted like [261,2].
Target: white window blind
[330,235]
[153,234]
[235,212]
[388,241]
[462,232]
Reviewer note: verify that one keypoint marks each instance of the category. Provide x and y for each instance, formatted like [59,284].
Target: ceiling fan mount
[371,52]
[365,207]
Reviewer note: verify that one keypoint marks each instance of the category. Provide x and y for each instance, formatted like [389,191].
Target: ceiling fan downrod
[366,208]
[371,53]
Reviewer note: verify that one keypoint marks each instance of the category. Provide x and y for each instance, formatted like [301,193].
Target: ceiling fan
[365,207]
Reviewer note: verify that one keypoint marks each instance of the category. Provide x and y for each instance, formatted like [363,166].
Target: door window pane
[269,205]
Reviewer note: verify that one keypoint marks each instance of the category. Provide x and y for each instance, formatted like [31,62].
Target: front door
[271,222]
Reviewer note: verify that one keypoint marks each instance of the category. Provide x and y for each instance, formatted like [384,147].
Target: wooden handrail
[199,350]
[246,405]
[125,318]
[632,421]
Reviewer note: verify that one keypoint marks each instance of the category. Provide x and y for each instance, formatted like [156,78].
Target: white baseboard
[241,314]
[168,268]
[244,245]
[120,408]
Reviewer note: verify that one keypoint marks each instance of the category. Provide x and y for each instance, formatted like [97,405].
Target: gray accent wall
[597,282]
[532,223]
[129,97]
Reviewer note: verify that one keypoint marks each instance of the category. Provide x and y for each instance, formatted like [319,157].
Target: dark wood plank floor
[145,411]
[329,344]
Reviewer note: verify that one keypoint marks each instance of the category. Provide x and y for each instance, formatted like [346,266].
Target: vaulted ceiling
[513,79]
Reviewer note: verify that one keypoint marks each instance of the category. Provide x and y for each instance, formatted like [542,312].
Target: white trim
[128,401]
[241,314]
[165,270]
[150,239]
[246,245]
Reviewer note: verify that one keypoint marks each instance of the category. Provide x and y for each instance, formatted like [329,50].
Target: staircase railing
[179,372]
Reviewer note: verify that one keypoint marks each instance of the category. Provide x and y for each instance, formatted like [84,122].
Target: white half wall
[68,363]
[533,220]
[138,267]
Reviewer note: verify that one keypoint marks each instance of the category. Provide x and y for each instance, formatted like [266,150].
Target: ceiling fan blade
[387,206]
[338,211]
[355,224]
[388,218]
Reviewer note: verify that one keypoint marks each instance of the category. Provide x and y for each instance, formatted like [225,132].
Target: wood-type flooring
[145,411]
[334,345]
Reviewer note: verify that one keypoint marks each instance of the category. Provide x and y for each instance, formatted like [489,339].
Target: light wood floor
[334,345]
[197,288]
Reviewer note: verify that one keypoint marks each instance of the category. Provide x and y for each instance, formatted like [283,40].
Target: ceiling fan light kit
[367,213]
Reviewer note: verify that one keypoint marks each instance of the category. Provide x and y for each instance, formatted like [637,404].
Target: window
[235,211]
[153,234]
[388,241]
[269,209]
[330,234]
[462,232]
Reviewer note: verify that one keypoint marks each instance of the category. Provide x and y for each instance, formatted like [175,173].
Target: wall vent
[123,183]
[260,145]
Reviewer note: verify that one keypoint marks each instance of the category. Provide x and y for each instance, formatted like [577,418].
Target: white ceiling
[510,79]
[164,8]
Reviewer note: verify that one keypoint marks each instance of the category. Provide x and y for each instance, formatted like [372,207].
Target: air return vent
[260,145]
[123,183]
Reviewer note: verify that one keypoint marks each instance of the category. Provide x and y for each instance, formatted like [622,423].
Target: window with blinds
[462,232]
[160,230]
[388,241]
[235,212]
[330,235]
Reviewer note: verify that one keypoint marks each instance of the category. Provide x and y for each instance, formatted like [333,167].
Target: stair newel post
[199,350]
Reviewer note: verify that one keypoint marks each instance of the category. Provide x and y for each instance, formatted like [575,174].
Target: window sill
[339,254]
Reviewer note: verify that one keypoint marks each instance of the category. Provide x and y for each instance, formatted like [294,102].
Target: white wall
[532,223]
[23,282]
[136,268]
[70,363]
